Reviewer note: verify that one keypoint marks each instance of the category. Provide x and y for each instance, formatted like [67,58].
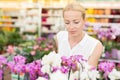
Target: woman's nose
[71,25]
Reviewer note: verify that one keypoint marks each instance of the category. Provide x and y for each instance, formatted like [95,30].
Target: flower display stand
[118,54]
[7,74]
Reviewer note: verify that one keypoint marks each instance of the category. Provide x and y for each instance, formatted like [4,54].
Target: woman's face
[74,22]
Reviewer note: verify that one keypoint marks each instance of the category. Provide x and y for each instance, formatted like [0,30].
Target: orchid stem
[3,73]
[69,74]
[18,76]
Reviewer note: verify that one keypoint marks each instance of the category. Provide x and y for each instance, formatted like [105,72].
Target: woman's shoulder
[94,41]
[91,39]
[93,45]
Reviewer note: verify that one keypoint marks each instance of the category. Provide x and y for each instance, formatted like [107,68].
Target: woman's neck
[76,38]
[73,40]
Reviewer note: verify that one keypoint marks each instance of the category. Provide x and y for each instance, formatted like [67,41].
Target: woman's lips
[72,32]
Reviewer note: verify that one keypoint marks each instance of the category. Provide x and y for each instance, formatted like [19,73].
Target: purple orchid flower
[72,61]
[3,60]
[46,76]
[109,34]
[64,69]
[64,60]
[34,69]
[1,74]
[11,65]
[18,68]
[106,67]
[19,59]
[54,69]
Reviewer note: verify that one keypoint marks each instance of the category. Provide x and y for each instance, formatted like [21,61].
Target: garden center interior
[23,22]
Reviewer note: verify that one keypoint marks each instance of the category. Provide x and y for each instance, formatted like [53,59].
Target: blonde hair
[75,7]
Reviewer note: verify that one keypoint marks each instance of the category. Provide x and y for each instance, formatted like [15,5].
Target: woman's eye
[66,23]
[76,22]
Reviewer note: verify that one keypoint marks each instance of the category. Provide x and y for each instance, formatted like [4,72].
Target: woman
[75,41]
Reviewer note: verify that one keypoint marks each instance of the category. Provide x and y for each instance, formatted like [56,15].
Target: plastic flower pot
[118,54]
[114,53]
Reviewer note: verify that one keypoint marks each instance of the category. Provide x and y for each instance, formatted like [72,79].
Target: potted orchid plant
[70,68]
[60,67]
[34,50]
[31,51]
[9,38]
[105,67]
[108,37]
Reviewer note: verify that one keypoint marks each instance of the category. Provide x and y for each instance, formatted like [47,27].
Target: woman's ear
[85,20]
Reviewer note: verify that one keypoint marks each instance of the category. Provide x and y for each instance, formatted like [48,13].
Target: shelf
[12,15]
[9,25]
[44,23]
[103,24]
[31,22]
[8,20]
[101,5]
[49,31]
[52,15]
[53,7]
[103,16]
[17,5]
[111,60]
[9,5]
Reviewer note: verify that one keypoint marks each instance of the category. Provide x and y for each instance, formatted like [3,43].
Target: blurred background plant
[9,38]
[3,41]
[34,49]
[104,68]
[31,50]
[110,37]
[117,42]
[107,37]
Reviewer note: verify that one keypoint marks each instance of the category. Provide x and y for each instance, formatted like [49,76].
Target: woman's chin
[73,34]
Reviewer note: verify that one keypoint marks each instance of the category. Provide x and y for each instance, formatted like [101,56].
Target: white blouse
[85,47]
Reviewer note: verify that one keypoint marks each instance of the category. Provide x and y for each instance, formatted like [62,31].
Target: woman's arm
[94,58]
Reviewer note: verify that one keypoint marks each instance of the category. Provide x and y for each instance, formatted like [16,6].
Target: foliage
[35,49]
[9,38]
[60,67]
[117,42]
[14,38]
[3,40]
[109,37]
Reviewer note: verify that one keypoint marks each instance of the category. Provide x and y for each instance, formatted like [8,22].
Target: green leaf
[38,55]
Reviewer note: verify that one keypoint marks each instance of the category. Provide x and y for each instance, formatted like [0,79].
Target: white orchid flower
[93,74]
[52,59]
[84,75]
[74,75]
[114,74]
[58,75]
[88,73]
[46,69]
[41,78]
[57,60]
